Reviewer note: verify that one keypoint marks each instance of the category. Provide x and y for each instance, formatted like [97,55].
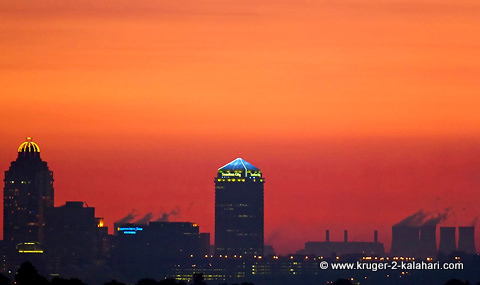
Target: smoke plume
[128,218]
[474,221]
[440,217]
[415,219]
[422,218]
[144,221]
[164,217]
[274,236]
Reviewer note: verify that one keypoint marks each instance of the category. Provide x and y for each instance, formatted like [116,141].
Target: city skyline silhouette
[416,219]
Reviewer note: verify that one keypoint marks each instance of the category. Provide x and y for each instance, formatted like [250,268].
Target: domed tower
[27,193]
[239,210]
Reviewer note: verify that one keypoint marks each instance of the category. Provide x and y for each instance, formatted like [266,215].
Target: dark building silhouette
[447,240]
[70,232]
[160,240]
[173,239]
[329,248]
[102,241]
[239,209]
[145,250]
[204,243]
[28,192]
[466,240]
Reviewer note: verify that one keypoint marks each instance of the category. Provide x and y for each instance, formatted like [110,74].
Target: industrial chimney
[428,241]
[447,240]
[405,241]
[466,240]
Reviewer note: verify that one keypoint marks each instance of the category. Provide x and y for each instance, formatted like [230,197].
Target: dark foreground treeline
[27,274]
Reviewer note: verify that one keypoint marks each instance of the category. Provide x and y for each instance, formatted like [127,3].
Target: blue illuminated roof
[239,164]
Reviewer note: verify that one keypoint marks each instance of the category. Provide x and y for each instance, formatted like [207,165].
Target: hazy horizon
[367,107]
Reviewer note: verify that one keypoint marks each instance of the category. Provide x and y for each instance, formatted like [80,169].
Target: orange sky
[135,104]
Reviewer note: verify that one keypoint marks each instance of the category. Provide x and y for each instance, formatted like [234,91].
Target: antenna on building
[85,202]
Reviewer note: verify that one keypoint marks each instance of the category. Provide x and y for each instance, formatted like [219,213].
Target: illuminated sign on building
[129,230]
[239,174]
[29,247]
[230,174]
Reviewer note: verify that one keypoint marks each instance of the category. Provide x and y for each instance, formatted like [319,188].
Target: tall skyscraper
[27,193]
[239,210]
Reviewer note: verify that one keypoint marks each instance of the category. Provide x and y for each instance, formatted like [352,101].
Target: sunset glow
[358,113]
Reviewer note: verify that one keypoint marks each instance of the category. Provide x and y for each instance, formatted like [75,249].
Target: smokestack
[428,241]
[405,241]
[345,236]
[447,240]
[375,236]
[466,240]
[327,236]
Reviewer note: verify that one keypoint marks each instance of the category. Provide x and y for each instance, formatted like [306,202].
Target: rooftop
[238,164]
[28,146]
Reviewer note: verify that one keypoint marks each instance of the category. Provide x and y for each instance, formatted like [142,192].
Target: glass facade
[239,209]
